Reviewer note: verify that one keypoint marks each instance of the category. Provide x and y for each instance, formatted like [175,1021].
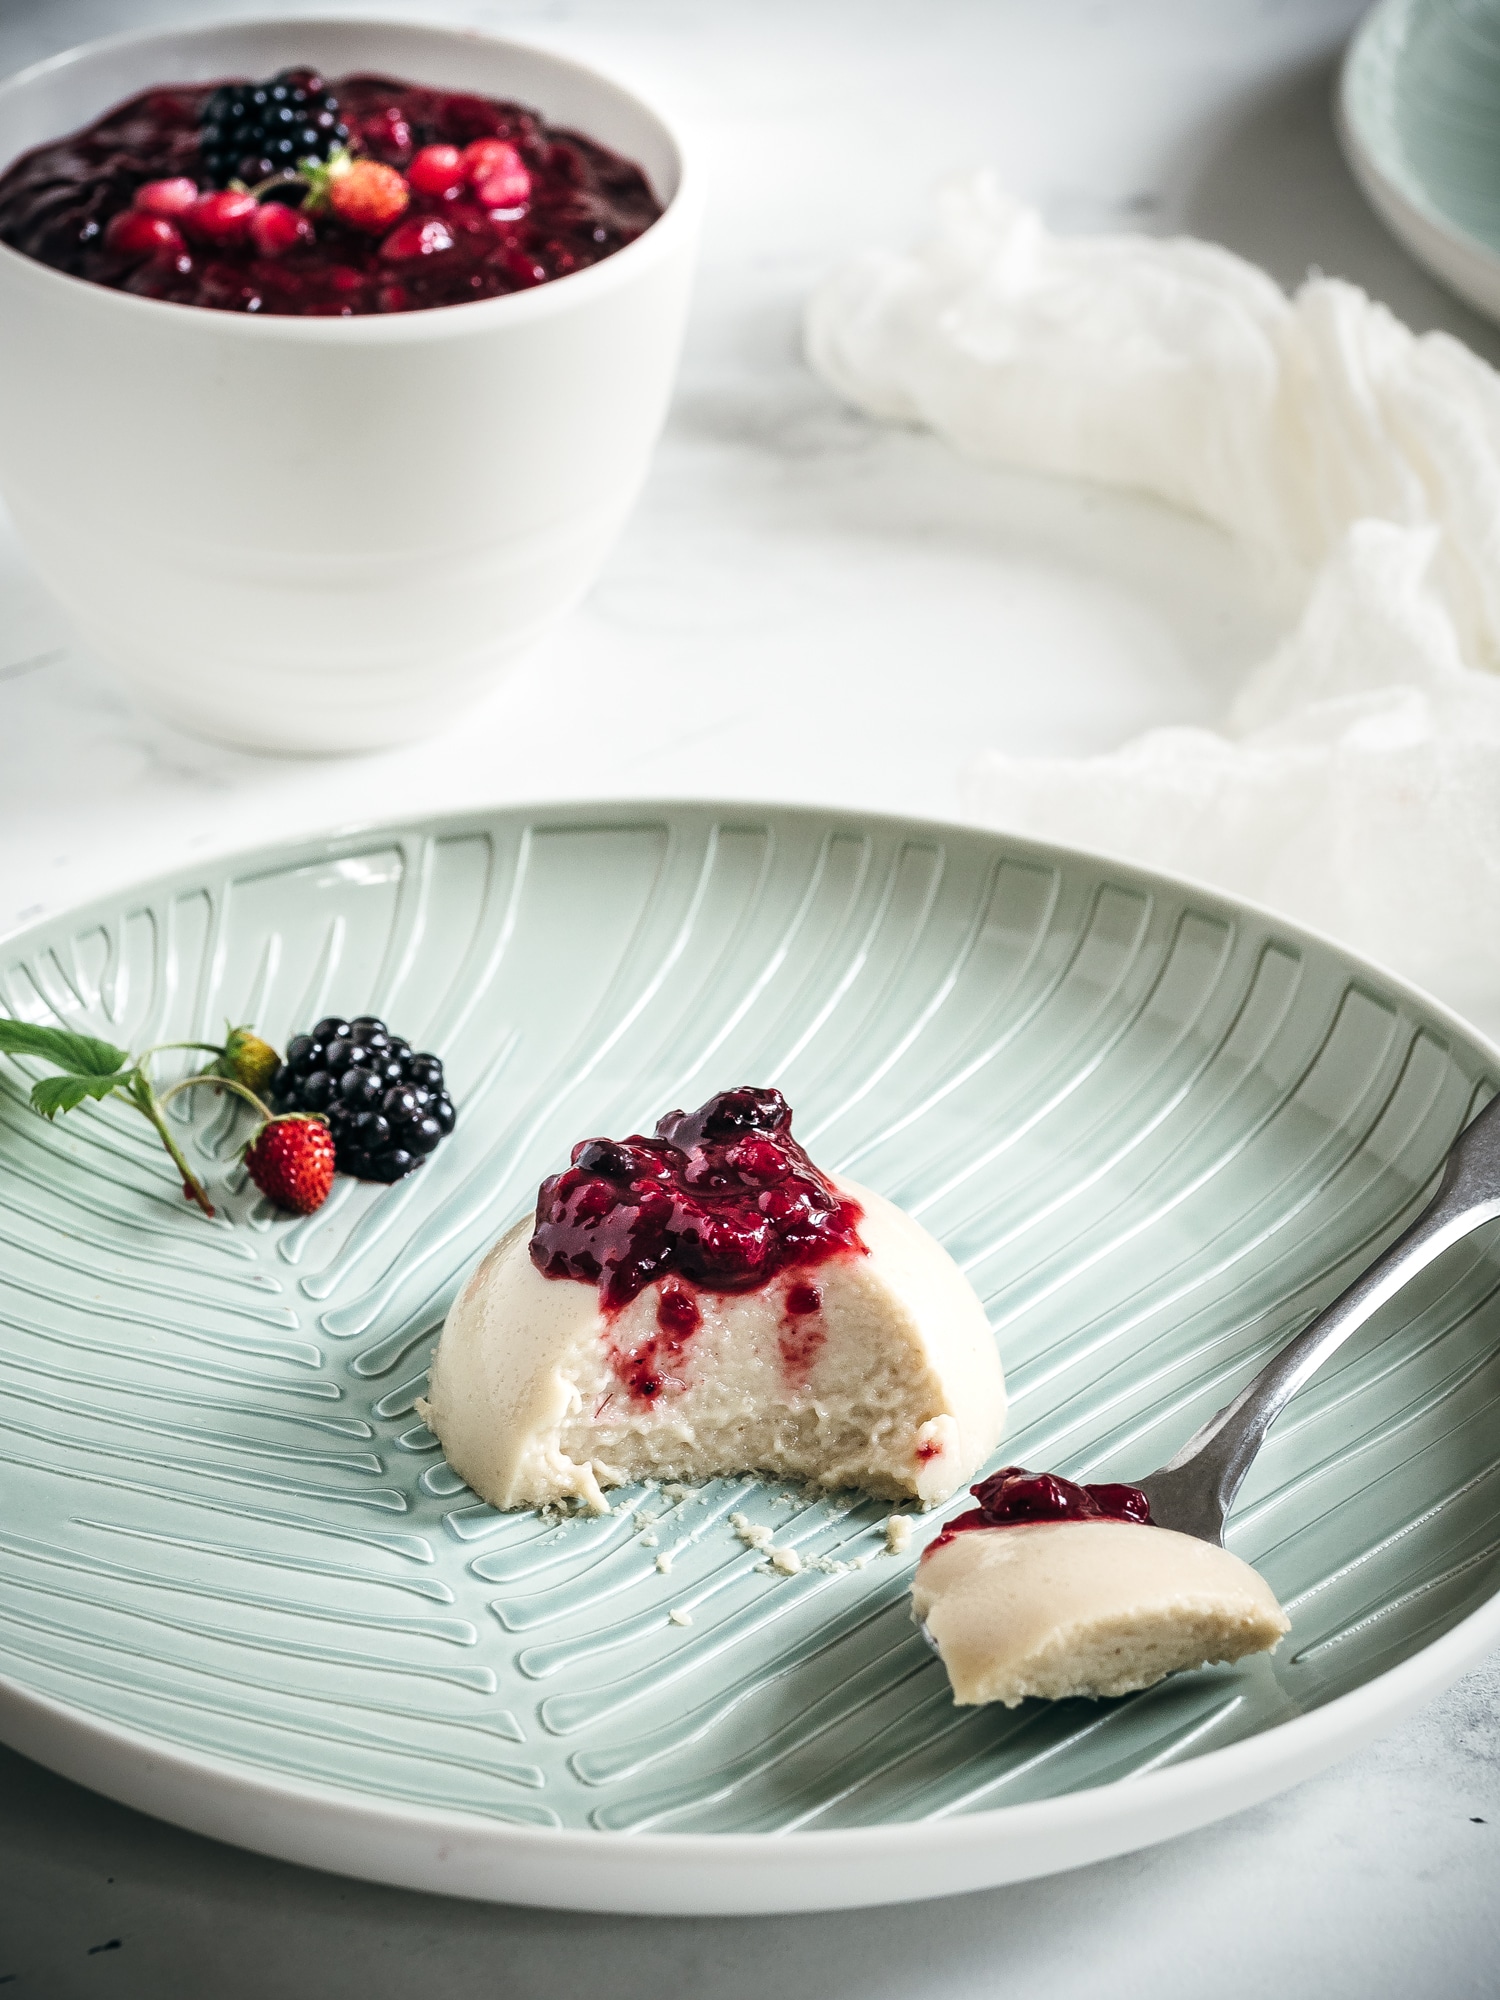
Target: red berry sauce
[723,1199]
[802,1331]
[500,202]
[1013,1496]
[652,1365]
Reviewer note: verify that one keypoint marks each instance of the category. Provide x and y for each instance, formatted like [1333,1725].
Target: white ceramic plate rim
[464,1854]
[1461,260]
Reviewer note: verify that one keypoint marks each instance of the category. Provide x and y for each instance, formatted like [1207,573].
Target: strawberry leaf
[82,1055]
[51,1094]
[320,176]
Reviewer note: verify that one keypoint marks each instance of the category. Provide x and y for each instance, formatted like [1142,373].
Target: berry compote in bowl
[312,466]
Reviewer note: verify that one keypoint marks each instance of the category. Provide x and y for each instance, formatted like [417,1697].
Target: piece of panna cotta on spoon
[705,1302]
[1053,1590]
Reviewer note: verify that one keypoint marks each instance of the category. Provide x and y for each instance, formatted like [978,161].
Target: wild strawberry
[248,1059]
[418,236]
[169,198]
[368,196]
[437,170]
[133,233]
[497,173]
[220,218]
[291,1161]
[275,229]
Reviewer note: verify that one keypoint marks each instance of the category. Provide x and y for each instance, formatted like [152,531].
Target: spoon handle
[1195,1490]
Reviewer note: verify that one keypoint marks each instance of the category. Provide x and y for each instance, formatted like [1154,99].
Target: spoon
[1195,1490]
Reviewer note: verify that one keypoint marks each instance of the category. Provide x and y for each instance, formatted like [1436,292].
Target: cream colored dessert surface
[1062,1608]
[903,1398]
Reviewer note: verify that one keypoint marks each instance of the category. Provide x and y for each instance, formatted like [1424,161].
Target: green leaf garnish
[320,175]
[82,1055]
[91,1068]
[51,1094]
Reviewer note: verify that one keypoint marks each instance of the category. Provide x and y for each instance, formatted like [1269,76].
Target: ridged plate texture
[1157,1131]
[1422,93]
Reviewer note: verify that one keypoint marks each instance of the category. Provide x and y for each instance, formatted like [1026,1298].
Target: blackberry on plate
[386,1104]
[250,131]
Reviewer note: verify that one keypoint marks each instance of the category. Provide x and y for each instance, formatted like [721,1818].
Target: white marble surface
[804,607]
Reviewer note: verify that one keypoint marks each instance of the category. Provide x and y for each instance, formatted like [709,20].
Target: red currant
[220,218]
[498,173]
[275,229]
[170,198]
[133,233]
[437,170]
[419,236]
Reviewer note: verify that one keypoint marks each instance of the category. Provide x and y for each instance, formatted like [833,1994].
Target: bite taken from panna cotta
[705,1302]
[1053,1590]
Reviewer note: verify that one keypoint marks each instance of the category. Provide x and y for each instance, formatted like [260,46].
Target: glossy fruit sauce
[460,235]
[720,1199]
[1013,1496]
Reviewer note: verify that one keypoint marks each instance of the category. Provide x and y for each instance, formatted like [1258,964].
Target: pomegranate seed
[136,234]
[220,218]
[420,236]
[369,196]
[437,170]
[169,198]
[275,229]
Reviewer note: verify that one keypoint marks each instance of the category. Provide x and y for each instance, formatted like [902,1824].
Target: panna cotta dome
[706,1302]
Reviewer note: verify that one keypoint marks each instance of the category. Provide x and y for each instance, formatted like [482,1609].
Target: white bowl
[332,535]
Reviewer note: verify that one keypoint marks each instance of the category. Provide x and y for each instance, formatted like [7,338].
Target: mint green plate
[1419,117]
[241,1589]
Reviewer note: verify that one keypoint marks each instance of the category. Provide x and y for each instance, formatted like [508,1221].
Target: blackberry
[249,131]
[386,1104]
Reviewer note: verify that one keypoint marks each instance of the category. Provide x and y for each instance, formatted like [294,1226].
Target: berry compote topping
[374,196]
[722,1197]
[1013,1496]
[386,1104]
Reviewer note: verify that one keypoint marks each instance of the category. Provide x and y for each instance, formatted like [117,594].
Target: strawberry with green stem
[364,194]
[90,1068]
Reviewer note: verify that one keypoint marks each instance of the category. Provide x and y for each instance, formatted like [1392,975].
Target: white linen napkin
[1356,785]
